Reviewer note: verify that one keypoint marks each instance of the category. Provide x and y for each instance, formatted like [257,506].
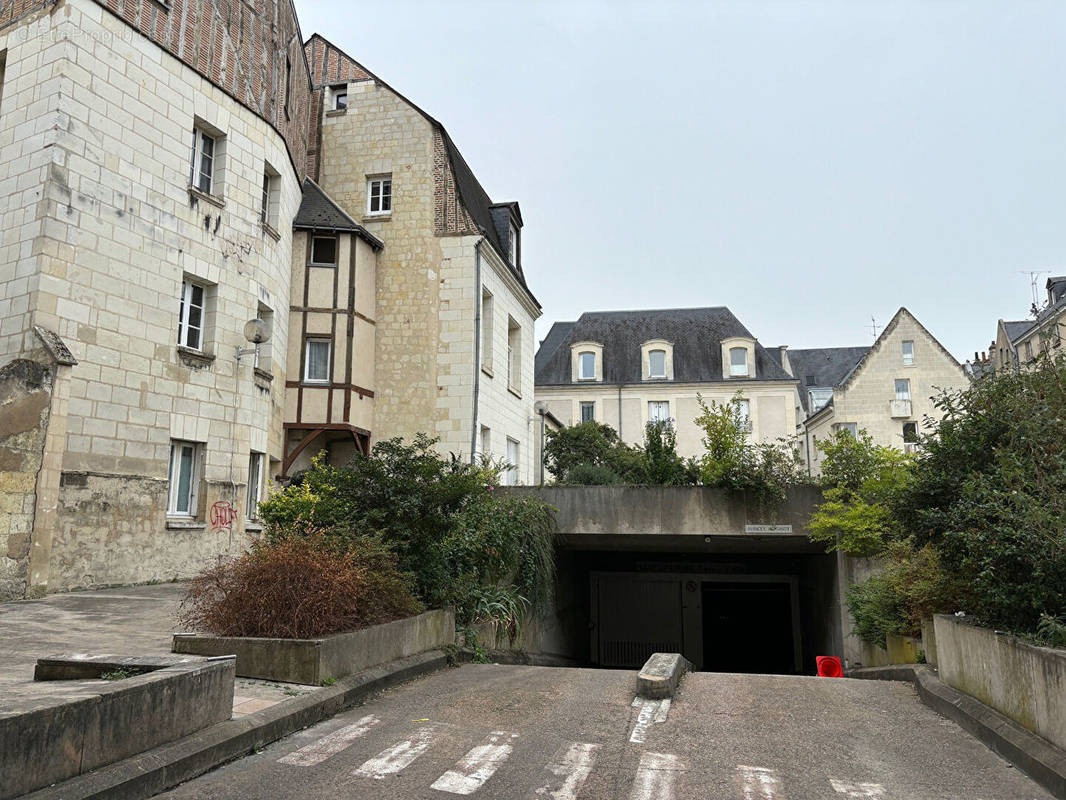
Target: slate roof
[696,334]
[318,212]
[1016,329]
[826,365]
[551,343]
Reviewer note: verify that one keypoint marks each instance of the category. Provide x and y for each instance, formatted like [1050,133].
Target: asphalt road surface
[573,734]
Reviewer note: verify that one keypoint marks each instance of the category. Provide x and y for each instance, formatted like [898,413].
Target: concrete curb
[661,674]
[1032,754]
[164,767]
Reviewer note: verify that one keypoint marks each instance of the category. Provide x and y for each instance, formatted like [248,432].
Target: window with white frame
[191,315]
[510,475]
[255,484]
[512,244]
[317,358]
[588,411]
[270,200]
[184,478]
[743,412]
[657,364]
[658,410]
[324,251]
[908,352]
[851,428]
[486,329]
[514,355]
[738,361]
[1029,351]
[204,153]
[486,444]
[903,389]
[586,363]
[379,195]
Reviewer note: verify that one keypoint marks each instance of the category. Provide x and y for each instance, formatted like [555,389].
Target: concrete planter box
[311,661]
[108,720]
[1022,681]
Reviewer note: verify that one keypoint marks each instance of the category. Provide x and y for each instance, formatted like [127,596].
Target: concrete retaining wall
[1022,681]
[312,661]
[111,721]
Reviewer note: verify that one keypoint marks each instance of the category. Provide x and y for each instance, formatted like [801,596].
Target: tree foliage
[591,454]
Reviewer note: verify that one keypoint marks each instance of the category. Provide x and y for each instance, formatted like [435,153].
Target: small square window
[324,250]
[340,100]
[657,364]
[184,477]
[317,360]
[588,412]
[191,316]
[379,196]
[910,432]
[908,352]
[586,366]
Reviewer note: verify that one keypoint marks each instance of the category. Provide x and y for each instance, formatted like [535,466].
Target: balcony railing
[900,409]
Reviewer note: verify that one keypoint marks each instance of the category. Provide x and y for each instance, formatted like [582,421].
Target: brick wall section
[239,46]
[450,216]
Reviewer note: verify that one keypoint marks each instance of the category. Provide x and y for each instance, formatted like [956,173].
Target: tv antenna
[1034,284]
[874,326]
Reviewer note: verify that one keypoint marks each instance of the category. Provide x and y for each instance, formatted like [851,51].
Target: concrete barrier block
[661,675]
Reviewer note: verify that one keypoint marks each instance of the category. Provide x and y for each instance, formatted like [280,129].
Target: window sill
[324,266]
[185,524]
[214,200]
[270,231]
[515,392]
[195,358]
[377,217]
[589,380]
[487,370]
[656,379]
[315,384]
[253,526]
[263,374]
[336,112]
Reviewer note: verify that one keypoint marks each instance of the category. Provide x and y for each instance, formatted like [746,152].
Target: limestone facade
[437,264]
[102,232]
[889,393]
[1021,344]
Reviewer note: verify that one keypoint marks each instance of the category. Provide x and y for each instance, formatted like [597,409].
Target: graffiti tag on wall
[223,515]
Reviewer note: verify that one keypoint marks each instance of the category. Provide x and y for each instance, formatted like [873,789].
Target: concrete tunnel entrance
[751,613]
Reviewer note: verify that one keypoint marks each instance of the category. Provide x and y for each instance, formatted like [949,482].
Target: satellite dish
[257,331]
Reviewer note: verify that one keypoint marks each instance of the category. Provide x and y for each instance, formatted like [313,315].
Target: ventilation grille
[617,653]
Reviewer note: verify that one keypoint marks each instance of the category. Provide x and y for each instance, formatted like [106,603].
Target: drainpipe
[477,346]
[620,413]
[807,445]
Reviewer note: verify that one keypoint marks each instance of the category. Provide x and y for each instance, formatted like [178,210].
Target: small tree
[662,465]
[592,454]
[860,480]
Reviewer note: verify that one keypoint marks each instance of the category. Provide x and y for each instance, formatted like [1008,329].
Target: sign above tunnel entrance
[767,529]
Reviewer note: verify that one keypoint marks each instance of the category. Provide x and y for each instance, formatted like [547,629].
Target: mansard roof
[318,212]
[696,334]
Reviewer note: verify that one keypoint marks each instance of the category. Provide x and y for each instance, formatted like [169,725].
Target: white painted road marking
[330,745]
[392,760]
[651,711]
[758,783]
[573,767]
[655,777]
[478,765]
[859,791]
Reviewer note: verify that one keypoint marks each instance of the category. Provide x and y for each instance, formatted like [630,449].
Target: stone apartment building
[626,368]
[886,389]
[454,318]
[156,218]
[1020,343]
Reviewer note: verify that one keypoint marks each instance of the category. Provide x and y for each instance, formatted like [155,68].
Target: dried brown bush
[299,587]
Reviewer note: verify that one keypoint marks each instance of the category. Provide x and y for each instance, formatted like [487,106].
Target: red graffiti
[223,515]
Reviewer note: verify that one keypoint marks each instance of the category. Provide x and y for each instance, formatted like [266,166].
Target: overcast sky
[808,164]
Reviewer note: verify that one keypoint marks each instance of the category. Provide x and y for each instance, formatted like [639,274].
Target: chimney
[782,355]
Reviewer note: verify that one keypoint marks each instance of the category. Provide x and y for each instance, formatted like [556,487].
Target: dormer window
[586,366]
[657,364]
[738,362]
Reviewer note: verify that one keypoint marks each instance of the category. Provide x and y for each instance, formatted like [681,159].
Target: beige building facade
[887,390]
[1020,344]
[625,369]
[454,317]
